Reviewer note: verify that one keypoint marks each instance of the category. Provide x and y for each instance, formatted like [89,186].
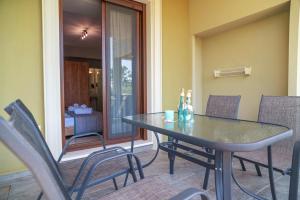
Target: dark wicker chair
[25,123]
[54,187]
[281,110]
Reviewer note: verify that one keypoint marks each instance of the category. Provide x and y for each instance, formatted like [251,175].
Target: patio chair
[281,110]
[25,123]
[294,189]
[217,106]
[55,189]
[18,103]
[223,106]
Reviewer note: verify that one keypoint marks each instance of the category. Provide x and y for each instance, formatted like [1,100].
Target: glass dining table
[224,136]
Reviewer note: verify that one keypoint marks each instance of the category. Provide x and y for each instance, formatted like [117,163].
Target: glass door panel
[121,68]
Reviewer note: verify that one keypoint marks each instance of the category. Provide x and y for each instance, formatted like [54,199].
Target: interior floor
[81,143]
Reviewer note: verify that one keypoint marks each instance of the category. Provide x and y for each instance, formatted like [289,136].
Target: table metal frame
[222,157]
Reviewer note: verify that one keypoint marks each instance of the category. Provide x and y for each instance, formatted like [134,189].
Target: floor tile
[186,175]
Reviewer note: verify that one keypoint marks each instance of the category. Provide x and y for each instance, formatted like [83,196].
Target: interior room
[82,70]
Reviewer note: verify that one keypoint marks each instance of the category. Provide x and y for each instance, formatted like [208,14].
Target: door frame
[52,73]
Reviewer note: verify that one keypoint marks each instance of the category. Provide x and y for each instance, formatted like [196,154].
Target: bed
[76,124]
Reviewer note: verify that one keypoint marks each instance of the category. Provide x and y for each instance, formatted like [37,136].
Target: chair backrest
[25,123]
[49,181]
[294,192]
[285,111]
[223,106]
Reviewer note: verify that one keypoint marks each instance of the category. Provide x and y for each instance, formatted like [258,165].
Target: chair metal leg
[103,142]
[271,176]
[258,170]
[132,171]
[207,170]
[126,178]
[206,178]
[242,165]
[40,196]
[115,183]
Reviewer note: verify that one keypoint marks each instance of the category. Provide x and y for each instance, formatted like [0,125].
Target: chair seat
[150,188]
[281,157]
[69,169]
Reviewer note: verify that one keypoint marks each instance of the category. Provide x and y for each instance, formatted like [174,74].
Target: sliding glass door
[122,67]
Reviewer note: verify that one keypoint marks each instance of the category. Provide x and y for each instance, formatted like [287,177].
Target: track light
[84,34]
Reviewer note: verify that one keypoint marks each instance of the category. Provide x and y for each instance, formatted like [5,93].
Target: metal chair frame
[269,164]
[48,178]
[18,111]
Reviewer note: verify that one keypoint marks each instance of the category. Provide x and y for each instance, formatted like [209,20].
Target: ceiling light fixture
[84,34]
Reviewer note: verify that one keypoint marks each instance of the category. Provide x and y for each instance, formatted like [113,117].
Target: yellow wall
[21,73]
[263,45]
[176,51]
[21,49]
[208,14]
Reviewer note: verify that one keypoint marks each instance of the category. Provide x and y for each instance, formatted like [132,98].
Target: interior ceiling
[79,15]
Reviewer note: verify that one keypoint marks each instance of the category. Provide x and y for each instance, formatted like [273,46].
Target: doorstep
[85,152]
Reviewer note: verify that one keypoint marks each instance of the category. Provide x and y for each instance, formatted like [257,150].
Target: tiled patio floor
[186,175]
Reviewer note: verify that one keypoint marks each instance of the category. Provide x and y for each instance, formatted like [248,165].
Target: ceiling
[79,15]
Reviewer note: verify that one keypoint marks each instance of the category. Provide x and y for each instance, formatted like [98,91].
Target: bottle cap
[189,93]
[182,92]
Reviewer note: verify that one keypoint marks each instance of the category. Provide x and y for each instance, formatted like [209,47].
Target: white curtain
[121,55]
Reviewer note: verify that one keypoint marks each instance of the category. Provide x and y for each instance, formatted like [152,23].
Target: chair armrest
[91,156]
[189,194]
[93,168]
[79,136]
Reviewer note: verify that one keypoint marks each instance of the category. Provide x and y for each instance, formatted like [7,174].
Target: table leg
[218,175]
[223,168]
[271,176]
[132,138]
[227,170]
[171,155]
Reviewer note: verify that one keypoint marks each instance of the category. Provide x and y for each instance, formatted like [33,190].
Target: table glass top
[211,129]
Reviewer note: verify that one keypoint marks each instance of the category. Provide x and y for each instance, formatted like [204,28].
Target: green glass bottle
[188,111]
[181,106]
